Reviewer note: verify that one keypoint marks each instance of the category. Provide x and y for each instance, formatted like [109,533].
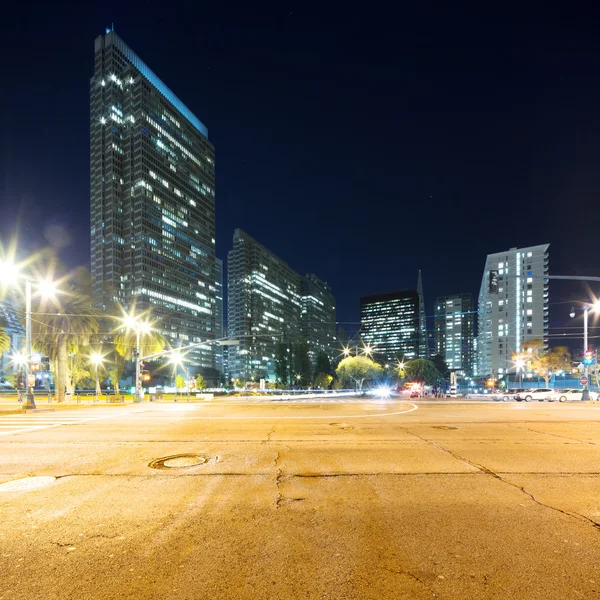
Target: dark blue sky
[361,146]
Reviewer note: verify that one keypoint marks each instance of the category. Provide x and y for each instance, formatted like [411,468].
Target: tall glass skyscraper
[392,324]
[152,198]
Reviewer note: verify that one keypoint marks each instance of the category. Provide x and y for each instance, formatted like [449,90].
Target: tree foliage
[200,382]
[179,382]
[441,365]
[358,369]
[547,363]
[4,341]
[323,380]
[302,366]
[281,363]
[421,371]
[322,363]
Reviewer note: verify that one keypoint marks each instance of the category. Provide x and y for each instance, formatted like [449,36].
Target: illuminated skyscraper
[152,198]
[391,324]
[513,307]
[454,331]
[268,302]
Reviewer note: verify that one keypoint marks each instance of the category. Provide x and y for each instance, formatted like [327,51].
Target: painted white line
[60,424]
[271,417]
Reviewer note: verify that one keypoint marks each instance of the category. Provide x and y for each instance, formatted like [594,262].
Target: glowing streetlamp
[9,273]
[133,322]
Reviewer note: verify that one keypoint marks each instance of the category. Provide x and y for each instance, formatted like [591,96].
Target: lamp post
[140,327]
[586,308]
[9,273]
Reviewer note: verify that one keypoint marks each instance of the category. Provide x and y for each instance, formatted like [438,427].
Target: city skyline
[340,241]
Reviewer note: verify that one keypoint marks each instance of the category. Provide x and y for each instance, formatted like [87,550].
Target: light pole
[140,327]
[586,308]
[9,273]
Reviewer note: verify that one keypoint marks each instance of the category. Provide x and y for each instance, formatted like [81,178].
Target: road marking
[267,417]
[28,423]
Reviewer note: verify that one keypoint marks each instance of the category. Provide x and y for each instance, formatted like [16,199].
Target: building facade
[454,328]
[391,324]
[513,307]
[318,318]
[268,302]
[219,329]
[152,199]
[423,337]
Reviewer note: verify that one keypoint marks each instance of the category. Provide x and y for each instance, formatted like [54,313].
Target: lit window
[529,299]
[529,254]
[529,311]
[530,280]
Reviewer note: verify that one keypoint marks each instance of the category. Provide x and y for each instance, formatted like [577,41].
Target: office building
[423,337]
[318,318]
[265,303]
[513,307]
[219,330]
[152,199]
[391,323]
[454,328]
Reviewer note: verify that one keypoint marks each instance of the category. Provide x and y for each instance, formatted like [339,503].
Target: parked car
[507,395]
[570,394]
[530,394]
[414,394]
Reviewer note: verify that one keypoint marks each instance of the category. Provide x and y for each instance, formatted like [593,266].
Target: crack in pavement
[269,435]
[556,435]
[495,475]
[412,576]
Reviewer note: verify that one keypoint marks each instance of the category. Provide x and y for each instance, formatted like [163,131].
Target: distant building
[219,330]
[265,303]
[454,327]
[11,323]
[391,324]
[513,307]
[423,338]
[318,318]
[152,180]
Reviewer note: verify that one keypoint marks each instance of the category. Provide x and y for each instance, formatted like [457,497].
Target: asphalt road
[364,500]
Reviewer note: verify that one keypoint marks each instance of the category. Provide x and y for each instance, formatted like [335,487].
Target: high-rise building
[391,324]
[513,307]
[318,318]
[219,330]
[454,331]
[265,303]
[423,338]
[152,198]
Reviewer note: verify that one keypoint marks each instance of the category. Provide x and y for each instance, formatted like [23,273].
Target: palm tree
[65,331]
[4,341]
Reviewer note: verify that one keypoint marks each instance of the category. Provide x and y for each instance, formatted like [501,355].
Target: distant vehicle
[4,385]
[414,394]
[507,395]
[569,394]
[528,395]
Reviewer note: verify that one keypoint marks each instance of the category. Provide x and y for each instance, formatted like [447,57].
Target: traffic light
[588,359]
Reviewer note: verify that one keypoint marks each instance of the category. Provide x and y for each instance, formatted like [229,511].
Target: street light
[9,273]
[595,306]
[97,359]
[133,322]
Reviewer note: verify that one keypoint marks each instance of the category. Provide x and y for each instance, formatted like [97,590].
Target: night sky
[361,146]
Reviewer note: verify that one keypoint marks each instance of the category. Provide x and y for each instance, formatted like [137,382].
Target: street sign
[31,380]
[583,380]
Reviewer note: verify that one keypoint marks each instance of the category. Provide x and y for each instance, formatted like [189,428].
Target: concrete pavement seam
[487,471]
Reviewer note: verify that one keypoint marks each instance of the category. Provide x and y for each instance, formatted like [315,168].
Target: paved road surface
[364,500]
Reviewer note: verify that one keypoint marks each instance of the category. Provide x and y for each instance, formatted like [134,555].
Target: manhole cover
[26,484]
[180,461]
[444,427]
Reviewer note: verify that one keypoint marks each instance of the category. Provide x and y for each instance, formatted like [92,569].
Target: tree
[323,380]
[322,362]
[281,363]
[358,369]
[5,340]
[116,371]
[179,384]
[200,382]
[421,371]
[302,363]
[547,363]
[66,326]
[441,365]
[238,384]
